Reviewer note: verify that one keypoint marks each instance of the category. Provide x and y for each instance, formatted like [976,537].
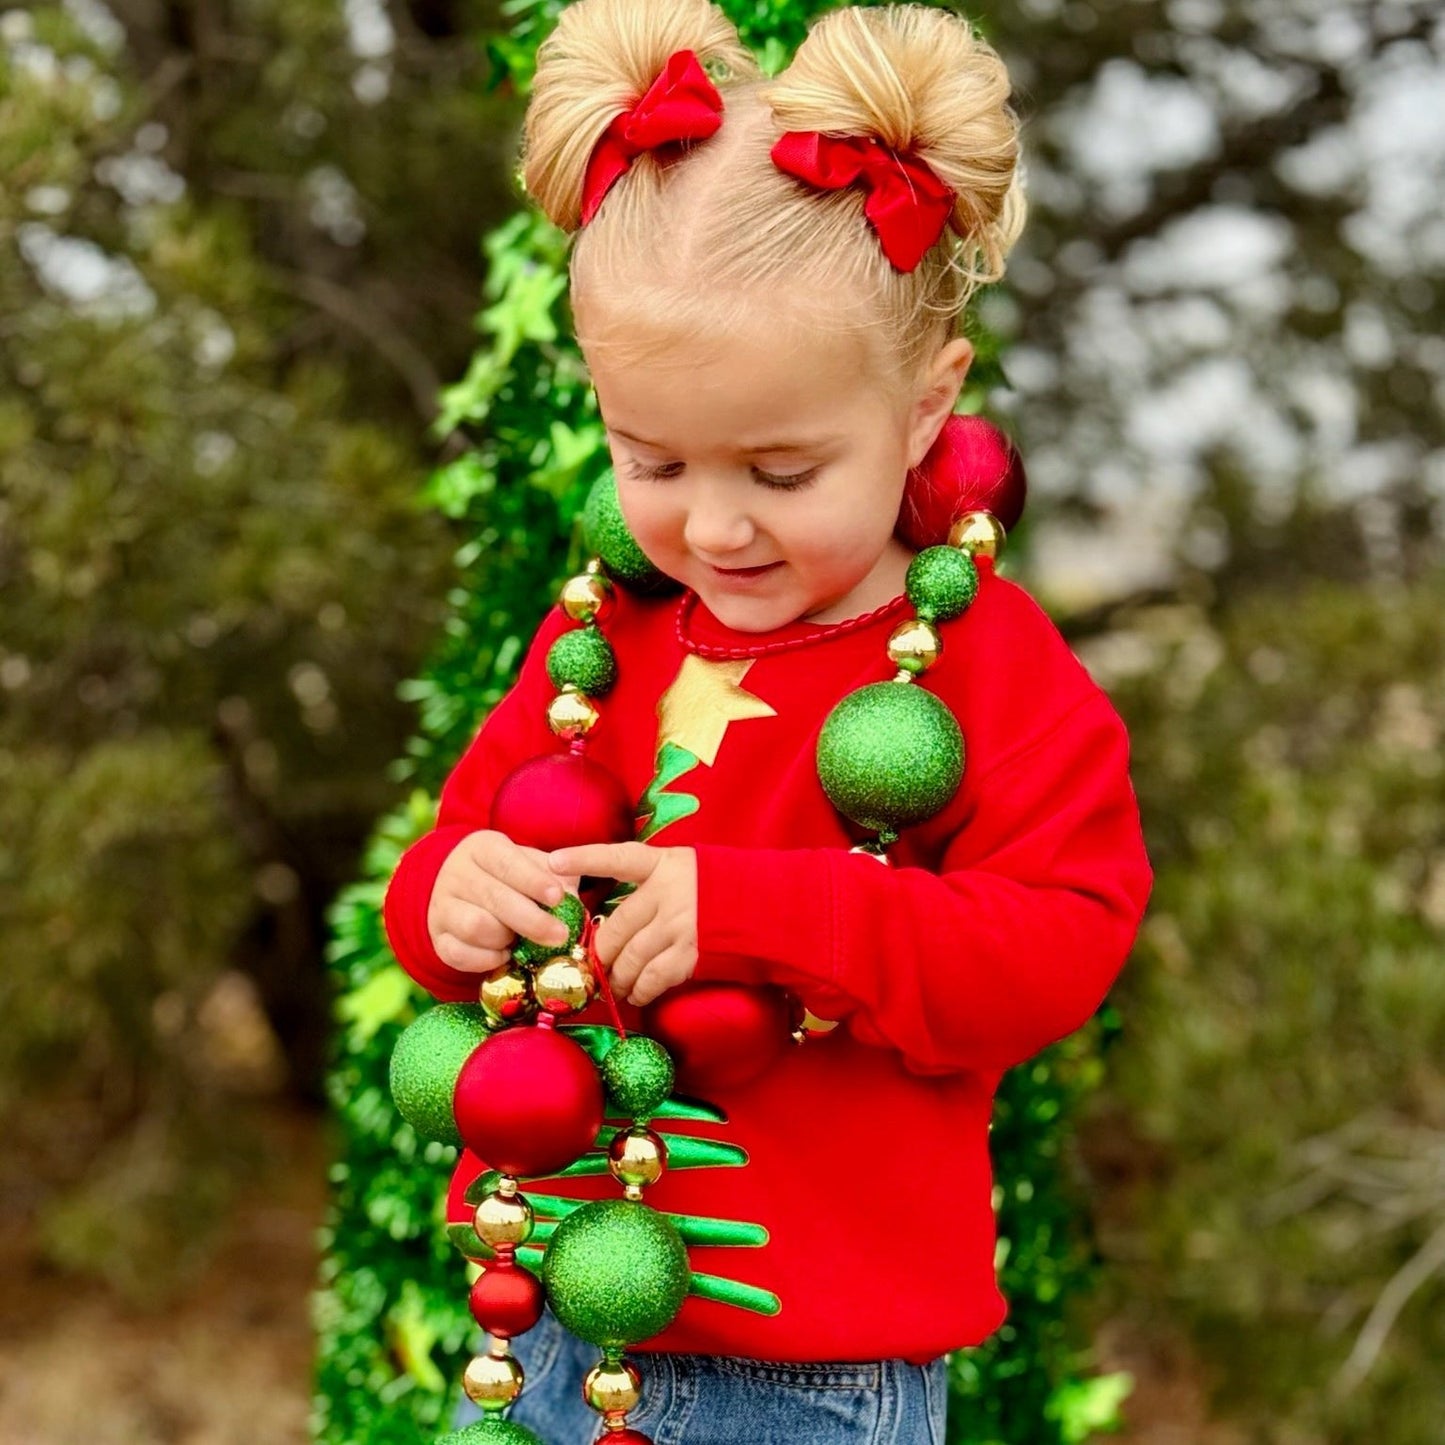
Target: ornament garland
[502,1077]
[527,1098]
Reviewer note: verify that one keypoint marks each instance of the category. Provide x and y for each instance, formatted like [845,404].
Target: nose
[716,526]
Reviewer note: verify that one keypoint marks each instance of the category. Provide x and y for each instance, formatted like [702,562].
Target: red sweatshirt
[998,931]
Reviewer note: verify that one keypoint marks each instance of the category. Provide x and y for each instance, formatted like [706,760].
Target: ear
[936,395]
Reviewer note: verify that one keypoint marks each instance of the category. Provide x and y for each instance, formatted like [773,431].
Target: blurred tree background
[238,262]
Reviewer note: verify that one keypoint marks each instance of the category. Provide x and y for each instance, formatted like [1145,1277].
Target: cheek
[647,512]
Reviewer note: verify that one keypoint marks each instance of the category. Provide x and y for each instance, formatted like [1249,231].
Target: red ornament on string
[720,1035]
[971,467]
[560,800]
[528,1101]
[507,1299]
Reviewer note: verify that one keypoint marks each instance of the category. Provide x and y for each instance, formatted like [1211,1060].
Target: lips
[746,571]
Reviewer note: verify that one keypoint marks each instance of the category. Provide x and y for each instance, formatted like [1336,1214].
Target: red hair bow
[907,204]
[681,104]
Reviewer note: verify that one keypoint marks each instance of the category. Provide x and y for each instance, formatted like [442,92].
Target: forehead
[752,378]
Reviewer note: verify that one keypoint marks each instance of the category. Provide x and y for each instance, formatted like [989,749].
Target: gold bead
[572,715]
[506,995]
[637,1157]
[612,1389]
[981,534]
[914,645]
[587,598]
[503,1219]
[565,984]
[492,1382]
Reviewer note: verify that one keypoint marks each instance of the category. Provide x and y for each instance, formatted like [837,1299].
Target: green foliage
[392,1313]
[210,579]
[1286,1019]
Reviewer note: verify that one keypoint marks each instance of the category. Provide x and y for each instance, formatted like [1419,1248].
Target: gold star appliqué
[704,698]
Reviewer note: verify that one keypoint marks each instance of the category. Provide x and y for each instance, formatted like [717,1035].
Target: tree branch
[397,349]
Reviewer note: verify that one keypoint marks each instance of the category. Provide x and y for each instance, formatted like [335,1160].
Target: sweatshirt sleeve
[1009,946]
[515,730]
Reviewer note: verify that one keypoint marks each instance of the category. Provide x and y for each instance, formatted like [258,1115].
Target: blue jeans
[717,1400]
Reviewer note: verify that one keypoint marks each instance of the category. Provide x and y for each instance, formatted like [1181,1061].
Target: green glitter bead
[528,953]
[492,1431]
[616,1272]
[582,659]
[604,530]
[638,1074]
[941,583]
[890,754]
[425,1064]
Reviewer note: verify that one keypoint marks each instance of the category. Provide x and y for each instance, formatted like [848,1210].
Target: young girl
[767,281]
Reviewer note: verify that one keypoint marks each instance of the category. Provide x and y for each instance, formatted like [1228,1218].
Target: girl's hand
[488,891]
[648,944]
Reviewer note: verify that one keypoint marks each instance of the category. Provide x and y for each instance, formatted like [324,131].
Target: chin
[749,614]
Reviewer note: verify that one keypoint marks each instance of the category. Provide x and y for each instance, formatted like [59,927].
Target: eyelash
[794,483]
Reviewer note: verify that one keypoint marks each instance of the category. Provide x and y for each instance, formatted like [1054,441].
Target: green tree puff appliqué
[658,808]
[684,1151]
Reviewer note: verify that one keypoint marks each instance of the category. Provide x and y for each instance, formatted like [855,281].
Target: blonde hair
[688,240]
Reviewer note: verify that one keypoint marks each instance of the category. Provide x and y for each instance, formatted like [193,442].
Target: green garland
[391,1311]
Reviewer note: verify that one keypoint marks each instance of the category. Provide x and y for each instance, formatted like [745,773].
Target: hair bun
[919,80]
[596,64]
[972,467]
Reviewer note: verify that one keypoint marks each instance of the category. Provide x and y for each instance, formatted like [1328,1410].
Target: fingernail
[553,896]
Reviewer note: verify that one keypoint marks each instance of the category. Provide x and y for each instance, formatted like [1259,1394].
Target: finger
[628,919]
[522,869]
[468,958]
[470,924]
[520,914]
[640,951]
[626,862]
[671,967]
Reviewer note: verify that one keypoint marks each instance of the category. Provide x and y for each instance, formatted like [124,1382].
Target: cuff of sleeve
[764,916]
[404,913]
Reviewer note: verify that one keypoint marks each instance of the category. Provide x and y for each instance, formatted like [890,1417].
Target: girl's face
[764,469]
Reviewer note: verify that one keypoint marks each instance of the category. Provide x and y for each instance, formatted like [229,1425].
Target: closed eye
[791,482]
[654,474]
[780,482]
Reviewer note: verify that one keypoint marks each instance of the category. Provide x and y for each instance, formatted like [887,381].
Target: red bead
[507,1299]
[560,800]
[624,1437]
[972,467]
[528,1101]
[720,1035]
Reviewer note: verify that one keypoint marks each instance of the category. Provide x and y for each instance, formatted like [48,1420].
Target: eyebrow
[809,445]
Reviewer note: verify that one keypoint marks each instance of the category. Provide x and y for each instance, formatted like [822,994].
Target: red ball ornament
[528,1101]
[972,467]
[626,1437]
[560,800]
[720,1035]
[507,1299]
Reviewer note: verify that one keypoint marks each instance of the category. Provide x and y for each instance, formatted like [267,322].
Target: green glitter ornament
[582,659]
[492,1431]
[605,531]
[890,754]
[425,1064]
[528,953]
[638,1074]
[941,583]
[616,1272]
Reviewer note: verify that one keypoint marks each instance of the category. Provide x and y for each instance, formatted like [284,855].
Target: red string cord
[589,936]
